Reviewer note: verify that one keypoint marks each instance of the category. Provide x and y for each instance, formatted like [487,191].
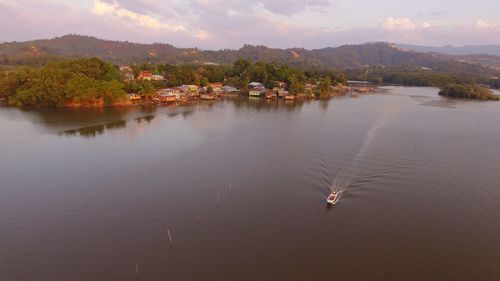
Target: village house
[282,94]
[254,93]
[129,76]
[229,89]
[217,86]
[170,92]
[256,86]
[190,89]
[145,75]
[168,95]
[128,73]
[157,77]
[271,95]
[134,97]
[252,85]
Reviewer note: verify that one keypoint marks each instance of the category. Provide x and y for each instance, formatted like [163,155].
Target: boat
[333,198]
[207,97]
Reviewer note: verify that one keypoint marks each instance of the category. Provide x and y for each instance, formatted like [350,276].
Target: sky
[221,24]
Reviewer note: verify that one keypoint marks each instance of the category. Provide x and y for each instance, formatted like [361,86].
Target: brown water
[241,187]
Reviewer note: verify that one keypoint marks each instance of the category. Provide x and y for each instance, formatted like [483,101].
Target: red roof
[146,74]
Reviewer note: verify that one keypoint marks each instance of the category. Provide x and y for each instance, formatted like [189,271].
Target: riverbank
[189,100]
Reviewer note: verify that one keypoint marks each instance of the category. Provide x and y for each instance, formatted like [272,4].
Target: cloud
[425,25]
[398,24]
[102,8]
[292,7]
[482,24]
[189,8]
[214,24]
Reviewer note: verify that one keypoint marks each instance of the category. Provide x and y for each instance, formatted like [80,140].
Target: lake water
[240,187]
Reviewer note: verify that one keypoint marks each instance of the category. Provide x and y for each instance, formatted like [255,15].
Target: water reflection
[266,105]
[94,122]
[93,131]
[443,103]
[424,199]
[146,119]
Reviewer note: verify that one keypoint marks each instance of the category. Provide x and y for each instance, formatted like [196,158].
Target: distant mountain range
[124,53]
[492,50]
[488,55]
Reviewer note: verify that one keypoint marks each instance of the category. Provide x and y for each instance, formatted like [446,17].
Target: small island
[467,91]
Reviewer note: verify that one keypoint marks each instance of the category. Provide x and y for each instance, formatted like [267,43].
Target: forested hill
[349,56]
[492,50]
[124,53]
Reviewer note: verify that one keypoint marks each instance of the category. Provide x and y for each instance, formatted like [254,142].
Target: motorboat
[333,198]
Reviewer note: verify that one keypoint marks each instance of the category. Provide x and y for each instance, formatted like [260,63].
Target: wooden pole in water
[169,236]
[137,268]
[230,187]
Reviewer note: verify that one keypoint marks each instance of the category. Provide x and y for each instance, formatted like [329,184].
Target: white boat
[333,198]
[207,97]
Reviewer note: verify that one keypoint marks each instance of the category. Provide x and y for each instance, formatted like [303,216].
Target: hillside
[493,50]
[124,53]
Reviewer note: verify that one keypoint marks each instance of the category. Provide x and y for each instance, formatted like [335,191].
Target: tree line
[91,81]
[82,81]
[467,91]
[418,76]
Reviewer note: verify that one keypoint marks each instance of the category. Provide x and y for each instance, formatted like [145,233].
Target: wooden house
[134,97]
[145,75]
[271,95]
[282,94]
[254,93]
[217,87]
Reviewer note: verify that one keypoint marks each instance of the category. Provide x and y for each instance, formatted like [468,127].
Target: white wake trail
[347,174]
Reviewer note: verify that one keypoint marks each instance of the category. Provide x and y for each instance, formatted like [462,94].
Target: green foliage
[87,80]
[214,73]
[147,89]
[296,85]
[467,91]
[203,82]
[325,86]
[60,83]
[410,75]
[348,57]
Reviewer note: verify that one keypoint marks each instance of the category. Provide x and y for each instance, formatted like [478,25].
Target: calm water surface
[241,185]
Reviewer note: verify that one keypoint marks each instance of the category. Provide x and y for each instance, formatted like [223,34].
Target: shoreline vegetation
[91,82]
[468,91]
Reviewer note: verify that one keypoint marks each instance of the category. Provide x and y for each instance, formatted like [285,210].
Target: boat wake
[346,176]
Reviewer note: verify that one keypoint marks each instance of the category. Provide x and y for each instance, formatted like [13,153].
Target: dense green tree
[467,91]
[203,81]
[186,75]
[325,85]
[296,86]
[214,73]
[60,83]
